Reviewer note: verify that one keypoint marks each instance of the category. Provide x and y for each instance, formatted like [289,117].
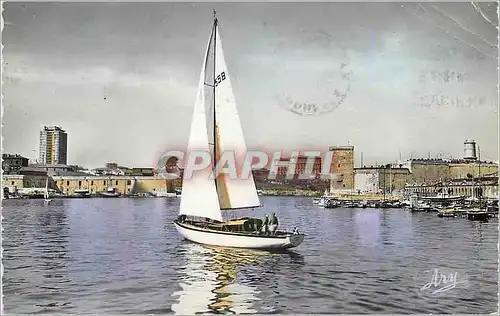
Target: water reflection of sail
[196,282]
[233,292]
[215,272]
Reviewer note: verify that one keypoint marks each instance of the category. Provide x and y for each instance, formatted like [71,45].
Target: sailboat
[204,197]
[46,193]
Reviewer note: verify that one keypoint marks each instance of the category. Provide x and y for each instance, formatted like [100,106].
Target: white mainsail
[240,192]
[199,195]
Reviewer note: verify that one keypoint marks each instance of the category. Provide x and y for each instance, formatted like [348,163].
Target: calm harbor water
[125,256]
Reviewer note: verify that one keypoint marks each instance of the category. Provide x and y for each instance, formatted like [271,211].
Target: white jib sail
[233,193]
[199,195]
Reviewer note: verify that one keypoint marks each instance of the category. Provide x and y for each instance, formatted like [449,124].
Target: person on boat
[265,225]
[273,224]
[295,231]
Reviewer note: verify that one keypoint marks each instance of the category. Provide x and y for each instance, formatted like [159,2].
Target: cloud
[124,90]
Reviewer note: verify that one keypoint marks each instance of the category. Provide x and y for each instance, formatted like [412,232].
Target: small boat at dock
[111,192]
[478,215]
[450,212]
[332,203]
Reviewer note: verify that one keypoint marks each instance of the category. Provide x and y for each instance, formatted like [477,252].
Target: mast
[215,121]
[479,193]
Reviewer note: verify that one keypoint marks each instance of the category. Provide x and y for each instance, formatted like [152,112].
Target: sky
[393,79]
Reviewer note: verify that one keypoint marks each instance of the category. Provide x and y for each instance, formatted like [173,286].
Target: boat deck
[241,226]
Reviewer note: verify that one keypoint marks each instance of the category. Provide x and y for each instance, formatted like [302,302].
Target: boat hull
[228,239]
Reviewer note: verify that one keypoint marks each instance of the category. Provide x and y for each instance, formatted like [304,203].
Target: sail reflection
[196,282]
[210,281]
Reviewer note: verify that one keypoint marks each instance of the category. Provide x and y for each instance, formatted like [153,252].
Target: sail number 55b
[220,78]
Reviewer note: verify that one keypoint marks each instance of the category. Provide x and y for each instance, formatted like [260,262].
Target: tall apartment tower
[342,168]
[53,145]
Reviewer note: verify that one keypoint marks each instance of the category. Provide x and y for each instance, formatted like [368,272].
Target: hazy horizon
[121,78]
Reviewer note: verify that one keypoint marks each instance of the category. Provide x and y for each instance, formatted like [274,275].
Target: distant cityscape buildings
[53,146]
[464,176]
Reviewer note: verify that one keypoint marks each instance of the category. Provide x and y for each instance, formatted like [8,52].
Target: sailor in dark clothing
[273,225]
[265,224]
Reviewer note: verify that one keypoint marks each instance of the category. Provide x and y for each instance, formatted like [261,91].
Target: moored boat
[332,203]
[111,192]
[450,212]
[164,194]
[477,214]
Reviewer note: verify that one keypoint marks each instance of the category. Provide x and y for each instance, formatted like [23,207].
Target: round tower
[470,150]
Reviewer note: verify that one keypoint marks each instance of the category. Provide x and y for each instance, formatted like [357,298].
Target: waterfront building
[115,169]
[342,168]
[485,187]
[433,170]
[53,145]
[417,173]
[13,162]
[430,171]
[302,165]
[123,184]
[111,165]
[260,175]
[54,169]
[24,179]
[366,180]
[380,179]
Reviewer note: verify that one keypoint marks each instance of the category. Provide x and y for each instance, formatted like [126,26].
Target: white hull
[224,239]
[165,194]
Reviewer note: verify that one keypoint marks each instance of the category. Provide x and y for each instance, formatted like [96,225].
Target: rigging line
[447,32]
[461,26]
[478,9]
